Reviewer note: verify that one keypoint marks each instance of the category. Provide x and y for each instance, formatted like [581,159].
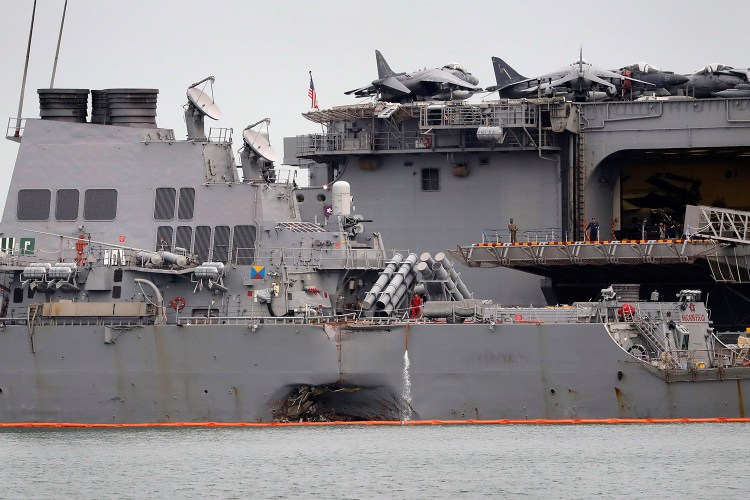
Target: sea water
[690,461]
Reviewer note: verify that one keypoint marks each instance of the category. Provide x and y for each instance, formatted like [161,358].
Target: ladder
[647,329]
[579,185]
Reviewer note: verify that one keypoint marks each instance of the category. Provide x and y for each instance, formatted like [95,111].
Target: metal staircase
[646,328]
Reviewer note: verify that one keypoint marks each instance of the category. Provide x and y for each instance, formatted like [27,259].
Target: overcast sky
[261,52]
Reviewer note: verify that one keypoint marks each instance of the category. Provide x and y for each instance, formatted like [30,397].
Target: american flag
[312,95]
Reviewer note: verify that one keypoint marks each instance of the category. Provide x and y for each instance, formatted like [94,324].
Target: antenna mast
[57,52]
[25,71]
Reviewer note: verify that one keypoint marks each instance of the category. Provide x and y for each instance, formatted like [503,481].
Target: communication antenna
[259,153]
[258,141]
[199,105]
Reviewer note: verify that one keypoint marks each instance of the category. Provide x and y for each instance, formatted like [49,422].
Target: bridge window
[430,179]
[202,242]
[100,204]
[221,244]
[66,205]
[243,245]
[33,204]
[184,237]
[164,238]
[187,204]
[164,204]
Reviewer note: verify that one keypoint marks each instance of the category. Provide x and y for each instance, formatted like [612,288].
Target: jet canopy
[643,67]
[714,68]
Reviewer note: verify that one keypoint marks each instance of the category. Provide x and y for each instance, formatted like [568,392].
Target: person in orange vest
[416,306]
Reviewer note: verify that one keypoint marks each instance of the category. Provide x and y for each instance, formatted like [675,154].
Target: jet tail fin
[504,74]
[384,71]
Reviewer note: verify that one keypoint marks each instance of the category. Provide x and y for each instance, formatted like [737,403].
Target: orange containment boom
[540,421]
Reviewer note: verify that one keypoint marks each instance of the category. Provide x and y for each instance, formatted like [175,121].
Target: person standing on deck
[513,228]
[593,230]
[416,306]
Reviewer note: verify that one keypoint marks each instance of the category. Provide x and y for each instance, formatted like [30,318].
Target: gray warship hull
[229,373]
[143,279]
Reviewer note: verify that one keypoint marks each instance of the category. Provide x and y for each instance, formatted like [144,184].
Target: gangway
[723,225]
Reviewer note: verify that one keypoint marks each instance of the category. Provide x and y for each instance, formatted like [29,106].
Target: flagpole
[313,95]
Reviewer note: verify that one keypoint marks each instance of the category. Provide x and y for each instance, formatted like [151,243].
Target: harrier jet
[715,80]
[451,82]
[581,79]
[649,73]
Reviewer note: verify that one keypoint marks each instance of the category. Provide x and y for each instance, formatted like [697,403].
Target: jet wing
[439,76]
[546,82]
[362,91]
[391,83]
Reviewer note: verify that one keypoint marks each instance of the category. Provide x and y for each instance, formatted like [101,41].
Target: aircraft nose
[675,80]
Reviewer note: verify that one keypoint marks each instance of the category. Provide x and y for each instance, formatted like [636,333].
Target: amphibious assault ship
[442,174]
[147,278]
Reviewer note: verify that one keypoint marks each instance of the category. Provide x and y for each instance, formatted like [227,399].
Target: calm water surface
[608,461]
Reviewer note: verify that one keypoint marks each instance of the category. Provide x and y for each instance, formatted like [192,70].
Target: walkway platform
[566,253]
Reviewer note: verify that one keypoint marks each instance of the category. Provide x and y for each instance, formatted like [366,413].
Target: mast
[25,71]
[57,52]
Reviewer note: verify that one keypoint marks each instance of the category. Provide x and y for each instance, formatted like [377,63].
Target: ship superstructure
[443,174]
